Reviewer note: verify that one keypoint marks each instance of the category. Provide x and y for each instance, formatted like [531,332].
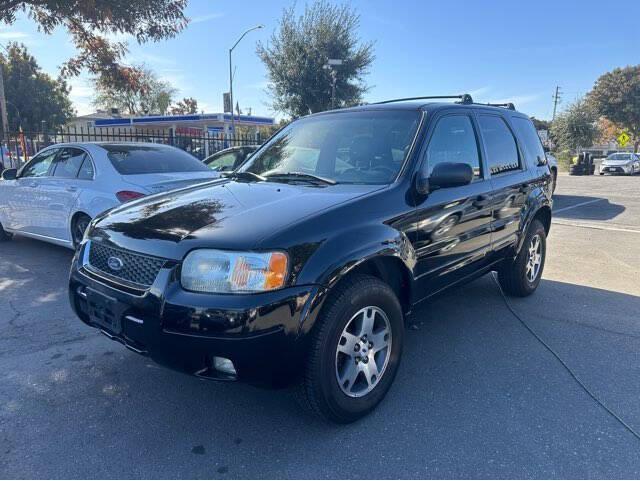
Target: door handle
[71,188]
[32,184]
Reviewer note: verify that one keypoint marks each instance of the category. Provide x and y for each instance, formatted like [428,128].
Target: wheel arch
[77,214]
[390,270]
[543,214]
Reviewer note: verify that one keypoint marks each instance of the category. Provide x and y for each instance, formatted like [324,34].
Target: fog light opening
[224,365]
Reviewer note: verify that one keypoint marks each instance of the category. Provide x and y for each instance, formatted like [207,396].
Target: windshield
[619,157]
[367,147]
[151,159]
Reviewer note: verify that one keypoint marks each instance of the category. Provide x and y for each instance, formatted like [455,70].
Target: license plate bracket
[105,311]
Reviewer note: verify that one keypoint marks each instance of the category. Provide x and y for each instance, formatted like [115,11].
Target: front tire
[355,351]
[78,227]
[521,276]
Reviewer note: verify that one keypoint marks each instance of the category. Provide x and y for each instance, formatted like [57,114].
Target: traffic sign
[623,139]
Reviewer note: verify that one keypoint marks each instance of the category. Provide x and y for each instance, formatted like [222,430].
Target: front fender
[338,255]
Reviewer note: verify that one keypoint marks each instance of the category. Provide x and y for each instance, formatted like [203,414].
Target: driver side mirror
[9,174]
[445,174]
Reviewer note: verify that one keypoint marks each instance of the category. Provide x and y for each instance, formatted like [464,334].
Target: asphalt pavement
[476,396]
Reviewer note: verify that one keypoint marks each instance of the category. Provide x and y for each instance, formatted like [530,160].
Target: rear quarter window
[500,145]
[142,159]
[531,144]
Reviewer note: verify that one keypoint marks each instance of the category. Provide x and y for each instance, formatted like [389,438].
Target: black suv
[301,265]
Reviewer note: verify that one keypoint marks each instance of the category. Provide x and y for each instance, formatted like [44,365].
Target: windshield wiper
[244,175]
[302,176]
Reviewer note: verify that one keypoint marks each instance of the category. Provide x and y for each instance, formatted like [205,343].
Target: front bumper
[616,169]
[262,334]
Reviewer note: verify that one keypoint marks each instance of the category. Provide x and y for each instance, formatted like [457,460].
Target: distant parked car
[230,159]
[553,167]
[56,194]
[621,163]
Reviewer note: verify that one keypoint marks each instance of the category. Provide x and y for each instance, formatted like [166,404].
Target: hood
[154,183]
[224,214]
[616,162]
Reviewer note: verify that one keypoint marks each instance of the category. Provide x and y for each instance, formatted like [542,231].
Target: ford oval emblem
[115,263]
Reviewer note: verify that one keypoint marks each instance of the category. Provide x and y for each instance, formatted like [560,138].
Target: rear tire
[349,369]
[4,235]
[78,227]
[520,277]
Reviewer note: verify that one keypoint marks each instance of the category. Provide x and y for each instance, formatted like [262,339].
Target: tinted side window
[39,165]
[86,170]
[501,147]
[533,150]
[454,140]
[68,163]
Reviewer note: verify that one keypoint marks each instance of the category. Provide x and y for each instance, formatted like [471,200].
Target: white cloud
[206,18]
[81,95]
[258,85]
[144,57]
[479,92]
[517,99]
[13,35]
[118,36]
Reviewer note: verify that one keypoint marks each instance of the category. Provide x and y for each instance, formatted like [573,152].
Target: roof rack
[464,99]
[508,105]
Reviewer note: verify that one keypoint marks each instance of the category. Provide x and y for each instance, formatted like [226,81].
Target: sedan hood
[224,214]
[617,162]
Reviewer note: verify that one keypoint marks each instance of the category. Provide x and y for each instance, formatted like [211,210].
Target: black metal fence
[18,147]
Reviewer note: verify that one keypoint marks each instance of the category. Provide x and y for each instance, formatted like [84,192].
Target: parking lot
[477,394]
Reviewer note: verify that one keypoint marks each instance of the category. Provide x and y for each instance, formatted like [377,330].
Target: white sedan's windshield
[619,157]
[366,147]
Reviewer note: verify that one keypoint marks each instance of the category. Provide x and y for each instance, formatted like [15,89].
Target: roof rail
[508,105]
[464,99]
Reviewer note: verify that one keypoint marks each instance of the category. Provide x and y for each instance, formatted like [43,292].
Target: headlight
[208,270]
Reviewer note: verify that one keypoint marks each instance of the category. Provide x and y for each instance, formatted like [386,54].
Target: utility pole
[3,108]
[556,101]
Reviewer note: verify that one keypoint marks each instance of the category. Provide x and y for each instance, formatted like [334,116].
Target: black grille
[136,268]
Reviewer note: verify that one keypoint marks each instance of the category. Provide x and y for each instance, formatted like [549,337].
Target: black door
[453,224]
[510,179]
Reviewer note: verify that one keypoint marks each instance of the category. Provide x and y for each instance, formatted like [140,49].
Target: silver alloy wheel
[535,258]
[363,351]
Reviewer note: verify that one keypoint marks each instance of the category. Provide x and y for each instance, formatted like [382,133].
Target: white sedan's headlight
[215,271]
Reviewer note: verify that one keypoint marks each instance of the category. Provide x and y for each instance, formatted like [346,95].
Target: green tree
[575,127]
[89,22]
[298,51]
[541,124]
[32,95]
[188,105]
[148,95]
[616,96]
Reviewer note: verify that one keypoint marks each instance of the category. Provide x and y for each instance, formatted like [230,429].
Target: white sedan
[57,193]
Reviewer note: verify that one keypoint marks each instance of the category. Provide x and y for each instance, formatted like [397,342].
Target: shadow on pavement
[598,208]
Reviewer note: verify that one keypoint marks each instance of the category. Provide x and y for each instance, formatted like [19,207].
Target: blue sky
[497,50]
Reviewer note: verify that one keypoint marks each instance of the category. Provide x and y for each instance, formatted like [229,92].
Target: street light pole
[233,125]
[331,66]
